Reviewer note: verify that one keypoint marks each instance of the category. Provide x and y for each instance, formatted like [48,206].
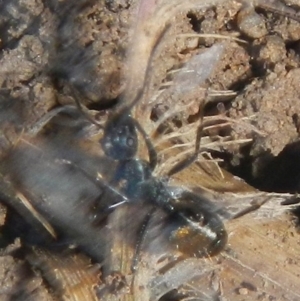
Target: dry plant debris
[239,58]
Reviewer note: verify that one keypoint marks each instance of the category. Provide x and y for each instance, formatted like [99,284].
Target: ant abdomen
[197,230]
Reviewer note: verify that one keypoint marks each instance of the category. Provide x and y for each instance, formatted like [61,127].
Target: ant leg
[98,181]
[141,238]
[191,159]
[151,149]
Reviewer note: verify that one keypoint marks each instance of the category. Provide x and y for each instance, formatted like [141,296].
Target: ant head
[120,139]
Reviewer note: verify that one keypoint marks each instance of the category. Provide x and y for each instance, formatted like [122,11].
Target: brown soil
[49,49]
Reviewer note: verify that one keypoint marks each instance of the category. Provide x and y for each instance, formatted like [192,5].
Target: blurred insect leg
[192,158]
[37,127]
[278,7]
[141,237]
[98,181]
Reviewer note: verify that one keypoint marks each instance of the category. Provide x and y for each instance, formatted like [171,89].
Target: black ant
[192,212]
[198,230]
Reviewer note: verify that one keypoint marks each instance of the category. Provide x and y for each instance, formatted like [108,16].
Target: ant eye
[130,142]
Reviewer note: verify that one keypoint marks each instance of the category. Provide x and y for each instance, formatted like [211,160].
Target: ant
[198,230]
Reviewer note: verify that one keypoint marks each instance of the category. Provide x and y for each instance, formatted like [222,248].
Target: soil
[52,51]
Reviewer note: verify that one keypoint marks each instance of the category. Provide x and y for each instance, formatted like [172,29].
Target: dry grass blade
[211,35]
[36,214]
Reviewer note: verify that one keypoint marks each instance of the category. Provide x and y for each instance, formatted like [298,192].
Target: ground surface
[53,50]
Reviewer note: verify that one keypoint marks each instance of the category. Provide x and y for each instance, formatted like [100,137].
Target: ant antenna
[82,109]
[126,110]
[147,73]
[37,127]
[151,149]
